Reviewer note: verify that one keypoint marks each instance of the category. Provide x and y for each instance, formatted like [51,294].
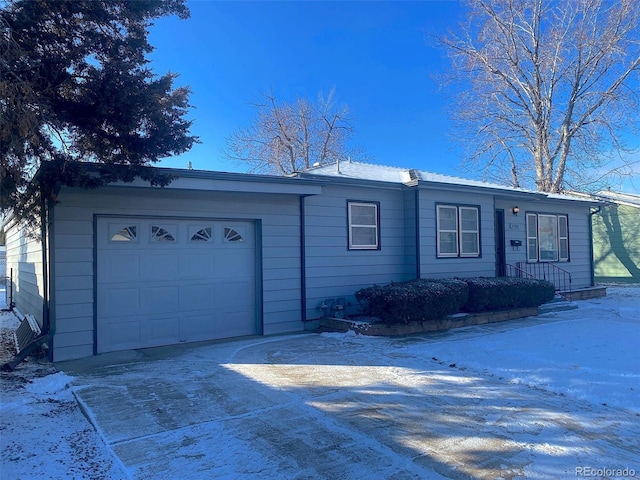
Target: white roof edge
[621,198]
[571,197]
[388,174]
[632,197]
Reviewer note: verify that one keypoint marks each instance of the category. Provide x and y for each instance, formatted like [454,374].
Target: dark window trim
[378,229]
[458,206]
[557,215]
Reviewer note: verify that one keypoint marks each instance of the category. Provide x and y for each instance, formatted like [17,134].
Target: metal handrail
[513,271]
[560,277]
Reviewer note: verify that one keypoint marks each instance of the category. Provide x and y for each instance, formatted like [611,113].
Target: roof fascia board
[507,194]
[231,184]
[497,192]
[214,180]
[562,198]
[328,180]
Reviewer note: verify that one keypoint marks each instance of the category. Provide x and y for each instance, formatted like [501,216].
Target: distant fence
[6,285]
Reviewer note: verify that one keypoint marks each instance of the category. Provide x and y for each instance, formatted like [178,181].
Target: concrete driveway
[339,406]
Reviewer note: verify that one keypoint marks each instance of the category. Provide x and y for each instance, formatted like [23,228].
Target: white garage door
[165,281]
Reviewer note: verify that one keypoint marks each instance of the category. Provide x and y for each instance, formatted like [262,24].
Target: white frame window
[447,231]
[469,232]
[363,225]
[458,231]
[532,237]
[547,237]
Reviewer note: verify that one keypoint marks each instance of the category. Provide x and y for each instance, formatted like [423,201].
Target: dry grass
[7,344]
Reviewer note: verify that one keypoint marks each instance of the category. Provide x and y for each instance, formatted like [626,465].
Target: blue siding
[433,267]
[579,264]
[24,262]
[410,232]
[334,271]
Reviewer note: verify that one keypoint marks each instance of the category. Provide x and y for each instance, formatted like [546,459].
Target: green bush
[415,300]
[504,293]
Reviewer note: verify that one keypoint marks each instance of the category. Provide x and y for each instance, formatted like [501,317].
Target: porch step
[558,304]
[588,293]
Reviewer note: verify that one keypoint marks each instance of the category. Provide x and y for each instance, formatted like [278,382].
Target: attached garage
[211,256]
[163,281]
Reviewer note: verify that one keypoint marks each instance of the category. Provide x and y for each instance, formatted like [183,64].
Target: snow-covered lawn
[43,433]
[559,392]
[592,353]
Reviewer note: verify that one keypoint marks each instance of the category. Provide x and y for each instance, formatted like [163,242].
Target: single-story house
[218,255]
[616,238]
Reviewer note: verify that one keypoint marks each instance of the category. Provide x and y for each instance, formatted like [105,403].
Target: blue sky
[375,54]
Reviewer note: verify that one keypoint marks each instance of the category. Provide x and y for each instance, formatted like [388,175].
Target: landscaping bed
[376,328]
[424,305]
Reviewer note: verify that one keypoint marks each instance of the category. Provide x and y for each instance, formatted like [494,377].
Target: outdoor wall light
[515,210]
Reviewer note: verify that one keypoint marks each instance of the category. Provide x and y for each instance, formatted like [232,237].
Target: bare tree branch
[285,138]
[550,84]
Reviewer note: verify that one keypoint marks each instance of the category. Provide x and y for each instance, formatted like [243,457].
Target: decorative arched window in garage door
[231,235]
[124,234]
[165,233]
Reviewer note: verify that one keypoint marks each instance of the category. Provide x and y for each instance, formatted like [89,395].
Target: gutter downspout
[417,226]
[52,277]
[593,265]
[44,224]
[48,279]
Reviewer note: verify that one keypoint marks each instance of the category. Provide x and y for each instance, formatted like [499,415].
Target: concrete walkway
[337,406]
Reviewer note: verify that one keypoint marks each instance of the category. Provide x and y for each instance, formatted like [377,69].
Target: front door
[501,260]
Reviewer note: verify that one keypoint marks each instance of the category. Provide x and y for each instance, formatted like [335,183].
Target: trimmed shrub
[504,293]
[415,300]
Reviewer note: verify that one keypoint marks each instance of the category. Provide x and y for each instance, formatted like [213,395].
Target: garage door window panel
[163,233]
[231,235]
[119,233]
[200,234]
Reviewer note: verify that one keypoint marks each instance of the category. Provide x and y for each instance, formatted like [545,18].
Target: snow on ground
[43,433]
[590,353]
[587,357]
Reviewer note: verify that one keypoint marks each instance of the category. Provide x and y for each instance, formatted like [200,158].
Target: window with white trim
[547,237]
[364,228]
[458,231]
